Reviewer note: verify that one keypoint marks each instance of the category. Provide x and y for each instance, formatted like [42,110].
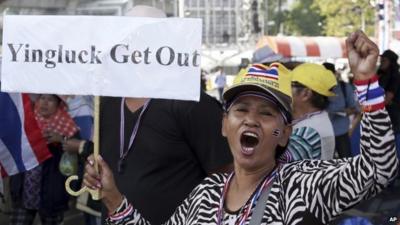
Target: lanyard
[307,116]
[122,152]
[248,207]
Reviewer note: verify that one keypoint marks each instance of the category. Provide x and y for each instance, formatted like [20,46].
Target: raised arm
[330,187]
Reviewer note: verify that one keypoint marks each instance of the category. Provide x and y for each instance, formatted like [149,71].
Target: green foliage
[275,17]
[345,16]
[319,17]
[304,19]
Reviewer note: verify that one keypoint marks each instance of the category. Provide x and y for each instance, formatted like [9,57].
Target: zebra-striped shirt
[322,189]
[318,190]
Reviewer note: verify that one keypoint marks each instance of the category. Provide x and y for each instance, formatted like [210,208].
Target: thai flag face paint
[276,132]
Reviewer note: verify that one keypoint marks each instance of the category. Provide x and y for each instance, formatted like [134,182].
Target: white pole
[181,11]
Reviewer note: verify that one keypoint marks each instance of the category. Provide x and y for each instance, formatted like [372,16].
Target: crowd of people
[273,149]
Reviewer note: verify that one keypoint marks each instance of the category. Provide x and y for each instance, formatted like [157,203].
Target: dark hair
[391,55]
[58,99]
[329,66]
[280,150]
[317,100]
[393,66]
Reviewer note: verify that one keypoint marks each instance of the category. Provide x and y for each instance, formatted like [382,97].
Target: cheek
[230,126]
[40,102]
[274,130]
[231,120]
[52,107]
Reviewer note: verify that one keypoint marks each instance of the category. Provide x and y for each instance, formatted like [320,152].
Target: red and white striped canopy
[323,47]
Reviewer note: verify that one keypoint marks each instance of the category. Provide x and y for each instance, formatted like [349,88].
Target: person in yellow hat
[262,190]
[313,133]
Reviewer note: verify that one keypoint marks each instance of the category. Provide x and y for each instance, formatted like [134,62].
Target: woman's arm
[122,212]
[330,187]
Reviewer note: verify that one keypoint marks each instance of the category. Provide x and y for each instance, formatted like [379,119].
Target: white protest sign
[102,55]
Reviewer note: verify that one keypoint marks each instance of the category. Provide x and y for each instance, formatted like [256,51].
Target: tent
[322,47]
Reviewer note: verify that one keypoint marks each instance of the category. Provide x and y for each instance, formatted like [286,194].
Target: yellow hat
[274,80]
[240,75]
[315,77]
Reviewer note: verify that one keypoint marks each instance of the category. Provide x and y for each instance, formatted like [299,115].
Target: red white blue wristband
[370,95]
[123,210]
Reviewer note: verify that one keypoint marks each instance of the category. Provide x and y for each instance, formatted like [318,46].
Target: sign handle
[95,193]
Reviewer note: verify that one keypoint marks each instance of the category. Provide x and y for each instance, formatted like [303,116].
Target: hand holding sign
[103,180]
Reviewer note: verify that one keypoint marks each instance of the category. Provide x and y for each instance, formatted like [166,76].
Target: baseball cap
[273,80]
[315,77]
[265,55]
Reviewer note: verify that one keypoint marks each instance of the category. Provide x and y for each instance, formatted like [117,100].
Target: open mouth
[249,141]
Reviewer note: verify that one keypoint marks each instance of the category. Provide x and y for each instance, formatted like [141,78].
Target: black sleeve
[201,123]
[394,83]
[87,149]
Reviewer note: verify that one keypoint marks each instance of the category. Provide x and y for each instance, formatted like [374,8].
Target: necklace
[246,210]
[306,116]
[122,152]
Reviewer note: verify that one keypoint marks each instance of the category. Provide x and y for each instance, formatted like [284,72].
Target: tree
[274,16]
[344,16]
[304,19]
[318,17]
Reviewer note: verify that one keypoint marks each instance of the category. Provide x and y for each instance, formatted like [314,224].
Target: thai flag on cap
[259,70]
[22,146]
